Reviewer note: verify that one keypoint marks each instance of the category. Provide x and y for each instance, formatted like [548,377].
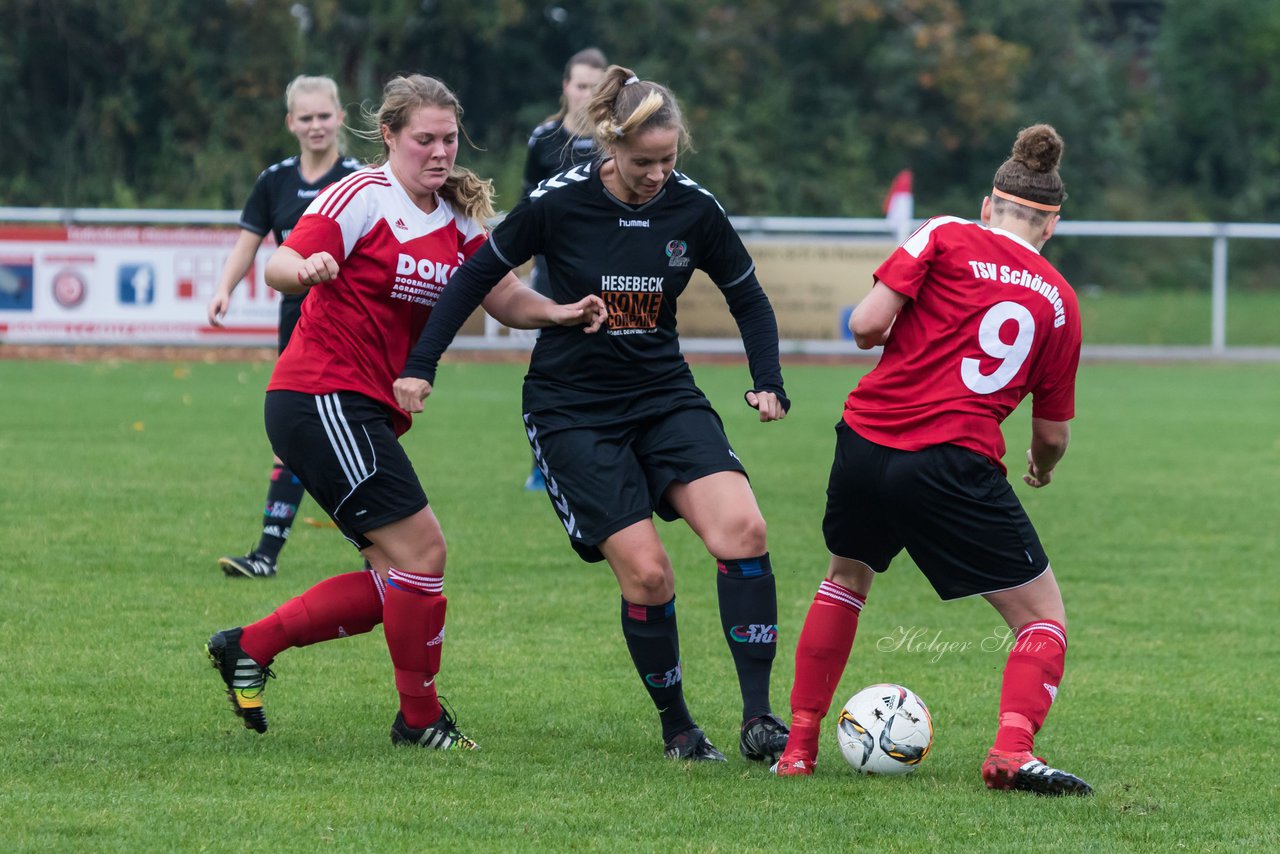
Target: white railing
[753,226]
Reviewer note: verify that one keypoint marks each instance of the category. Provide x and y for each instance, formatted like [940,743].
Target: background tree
[1170,108]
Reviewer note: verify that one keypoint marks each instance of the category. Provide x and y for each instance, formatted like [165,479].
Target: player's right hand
[317,268]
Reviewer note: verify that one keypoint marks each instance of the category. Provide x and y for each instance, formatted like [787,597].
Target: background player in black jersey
[565,139]
[561,141]
[615,419]
[279,196]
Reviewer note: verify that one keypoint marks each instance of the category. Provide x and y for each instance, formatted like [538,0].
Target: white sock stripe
[426,583]
[1048,628]
[835,591]
[379,585]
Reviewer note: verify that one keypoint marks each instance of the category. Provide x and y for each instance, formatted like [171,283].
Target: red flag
[898,202]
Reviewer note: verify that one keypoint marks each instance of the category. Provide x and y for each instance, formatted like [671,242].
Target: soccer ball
[885,729]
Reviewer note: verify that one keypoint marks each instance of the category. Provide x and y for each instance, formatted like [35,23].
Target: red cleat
[785,767]
[1024,772]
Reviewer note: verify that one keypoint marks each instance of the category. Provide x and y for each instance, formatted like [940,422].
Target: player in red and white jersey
[972,320]
[395,262]
[985,320]
[374,250]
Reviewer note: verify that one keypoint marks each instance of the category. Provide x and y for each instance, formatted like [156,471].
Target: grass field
[1178,318]
[123,483]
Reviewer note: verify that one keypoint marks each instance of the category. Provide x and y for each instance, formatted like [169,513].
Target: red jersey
[989,321]
[356,331]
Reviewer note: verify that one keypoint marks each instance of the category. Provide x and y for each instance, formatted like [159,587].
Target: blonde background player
[279,196]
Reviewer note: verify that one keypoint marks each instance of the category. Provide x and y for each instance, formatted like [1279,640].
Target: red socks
[821,654]
[1031,677]
[353,603]
[413,619]
[345,605]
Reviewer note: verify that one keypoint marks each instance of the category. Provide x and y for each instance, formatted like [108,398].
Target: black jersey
[553,149]
[638,259]
[280,195]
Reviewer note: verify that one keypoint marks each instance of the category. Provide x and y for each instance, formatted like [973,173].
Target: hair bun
[1038,147]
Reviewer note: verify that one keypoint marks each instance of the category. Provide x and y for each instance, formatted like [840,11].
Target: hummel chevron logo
[684,179]
[564,179]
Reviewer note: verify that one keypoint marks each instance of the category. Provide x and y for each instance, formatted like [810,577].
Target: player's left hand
[410,392]
[769,404]
[588,312]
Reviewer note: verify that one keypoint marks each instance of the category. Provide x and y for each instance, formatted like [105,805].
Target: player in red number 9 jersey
[375,250]
[972,320]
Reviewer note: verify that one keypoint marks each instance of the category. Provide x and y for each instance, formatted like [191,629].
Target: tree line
[1170,108]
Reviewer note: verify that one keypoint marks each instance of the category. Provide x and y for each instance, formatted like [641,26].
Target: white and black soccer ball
[885,729]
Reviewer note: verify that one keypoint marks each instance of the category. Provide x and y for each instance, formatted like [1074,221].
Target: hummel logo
[400,224]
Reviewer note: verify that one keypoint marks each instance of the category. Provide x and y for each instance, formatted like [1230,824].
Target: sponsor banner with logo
[137,284]
[813,284]
[151,285]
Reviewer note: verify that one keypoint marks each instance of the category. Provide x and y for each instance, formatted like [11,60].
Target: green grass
[124,482]
[1178,318]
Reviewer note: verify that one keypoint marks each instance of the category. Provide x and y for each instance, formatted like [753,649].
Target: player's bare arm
[1049,440]
[514,304]
[237,265]
[290,273]
[873,318]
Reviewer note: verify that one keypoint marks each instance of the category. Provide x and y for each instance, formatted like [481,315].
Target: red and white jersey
[356,331]
[989,321]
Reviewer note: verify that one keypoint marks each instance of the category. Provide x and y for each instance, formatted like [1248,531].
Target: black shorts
[290,311]
[603,478]
[346,454]
[953,510]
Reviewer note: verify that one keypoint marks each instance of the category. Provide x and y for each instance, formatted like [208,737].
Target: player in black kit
[279,196]
[563,140]
[615,420]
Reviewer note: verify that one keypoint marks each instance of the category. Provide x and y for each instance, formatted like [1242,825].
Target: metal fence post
[1219,296]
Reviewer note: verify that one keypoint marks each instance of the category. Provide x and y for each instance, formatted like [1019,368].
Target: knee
[654,589]
[435,553]
[743,535]
[426,555]
[648,583]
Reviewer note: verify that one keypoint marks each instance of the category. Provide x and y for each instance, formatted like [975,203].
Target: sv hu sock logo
[754,633]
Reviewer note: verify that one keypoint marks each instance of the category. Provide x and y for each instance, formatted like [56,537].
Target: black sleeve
[467,288]
[759,329]
[256,216]
[535,170]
